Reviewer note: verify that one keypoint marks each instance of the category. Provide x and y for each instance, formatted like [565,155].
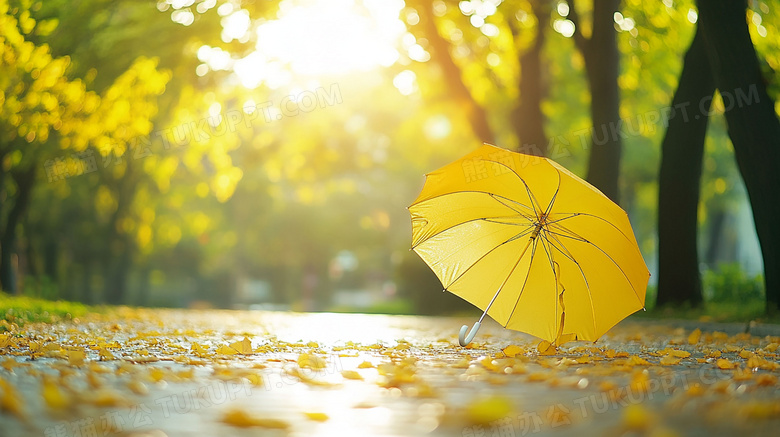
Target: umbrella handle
[464,339]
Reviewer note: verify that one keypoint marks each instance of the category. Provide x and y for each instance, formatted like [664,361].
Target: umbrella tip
[644,309]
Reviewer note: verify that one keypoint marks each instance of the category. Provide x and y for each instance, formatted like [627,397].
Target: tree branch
[580,40]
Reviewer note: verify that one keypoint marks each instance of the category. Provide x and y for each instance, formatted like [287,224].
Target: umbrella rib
[498,199]
[487,219]
[493,195]
[555,276]
[518,236]
[576,237]
[531,195]
[577,214]
[525,282]
[565,252]
[557,189]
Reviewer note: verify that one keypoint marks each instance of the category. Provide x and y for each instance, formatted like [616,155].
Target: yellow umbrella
[537,248]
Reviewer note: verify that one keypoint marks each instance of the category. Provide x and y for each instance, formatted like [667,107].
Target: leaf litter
[86,367]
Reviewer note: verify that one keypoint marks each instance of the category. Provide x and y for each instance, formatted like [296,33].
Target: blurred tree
[446,31]
[528,119]
[753,124]
[679,178]
[40,108]
[602,64]
[451,72]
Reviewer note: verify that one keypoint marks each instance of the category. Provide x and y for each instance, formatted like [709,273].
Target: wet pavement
[233,373]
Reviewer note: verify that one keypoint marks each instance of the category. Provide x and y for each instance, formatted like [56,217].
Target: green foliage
[394,306]
[730,283]
[20,310]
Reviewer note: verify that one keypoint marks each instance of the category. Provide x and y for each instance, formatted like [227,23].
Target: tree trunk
[86,282]
[475,114]
[116,280]
[144,286]
[528,117]
[753,125]
[716,219]
[682,152]
[24,184]
[602,64]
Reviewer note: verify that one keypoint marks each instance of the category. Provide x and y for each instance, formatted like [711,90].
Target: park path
[234,373]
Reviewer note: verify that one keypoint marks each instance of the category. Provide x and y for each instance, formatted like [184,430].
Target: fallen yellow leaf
[512,350]
[53,395]
[242,419]
[317,417]
[487,410]
[351,374]
[695,336]
[725,364]
[311,361]
[243,347]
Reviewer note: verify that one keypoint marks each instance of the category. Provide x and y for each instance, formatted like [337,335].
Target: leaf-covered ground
[164,372]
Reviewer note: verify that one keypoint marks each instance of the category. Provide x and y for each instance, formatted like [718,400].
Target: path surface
[221,373]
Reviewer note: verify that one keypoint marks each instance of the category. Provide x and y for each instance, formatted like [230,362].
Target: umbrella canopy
[536,247]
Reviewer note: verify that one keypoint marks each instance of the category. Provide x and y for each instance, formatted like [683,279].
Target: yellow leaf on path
[106,355]
[725,364]
[670,361]
[487,363]
[255,379]
[226,350]
[538,376]
[636,417]
[138,387]
[53,395]
[317,417]
[11,400]
[488,410]
[76,357]
[634,360]
[679,353]
[512,350]
[199,350]
[695,336]
[9,363]
[107,398]
[546,348]
[242,419]
[311,361]
[351,374]
[243,347]
[366,365]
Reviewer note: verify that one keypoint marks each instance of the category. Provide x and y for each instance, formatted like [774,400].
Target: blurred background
[261,154]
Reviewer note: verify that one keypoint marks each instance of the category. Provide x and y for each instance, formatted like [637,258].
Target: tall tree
[528,118]
[525,114]
[753,125]
[38,104]
[475,113]
[602,66]
[679,178]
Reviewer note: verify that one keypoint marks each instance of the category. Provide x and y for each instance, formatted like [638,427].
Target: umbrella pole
[464,338]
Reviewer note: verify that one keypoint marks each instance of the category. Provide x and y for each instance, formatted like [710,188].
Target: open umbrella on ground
[537,248]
